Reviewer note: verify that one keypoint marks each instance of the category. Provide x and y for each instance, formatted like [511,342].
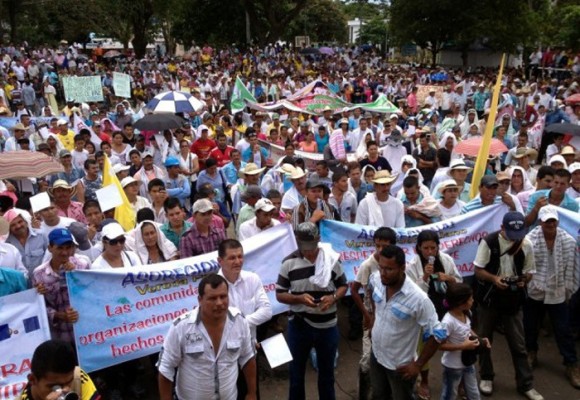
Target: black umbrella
[565,129]
[159,122]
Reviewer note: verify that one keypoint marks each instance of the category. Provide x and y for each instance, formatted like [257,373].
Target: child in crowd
[460,349]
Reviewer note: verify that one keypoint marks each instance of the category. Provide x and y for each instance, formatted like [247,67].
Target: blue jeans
[451,379]
[559,317]
[301,338]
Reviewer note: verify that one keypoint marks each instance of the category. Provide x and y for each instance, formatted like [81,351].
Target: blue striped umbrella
[174,102]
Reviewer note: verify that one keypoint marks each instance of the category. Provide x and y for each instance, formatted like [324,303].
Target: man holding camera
[504,264]
[54,375]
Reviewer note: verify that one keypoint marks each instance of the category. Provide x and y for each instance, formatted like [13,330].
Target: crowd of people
[212,182]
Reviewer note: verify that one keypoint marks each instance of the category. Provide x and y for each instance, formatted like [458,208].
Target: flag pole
[482,156]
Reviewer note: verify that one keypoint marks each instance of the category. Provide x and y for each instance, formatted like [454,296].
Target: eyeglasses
[114,242]
[452,189]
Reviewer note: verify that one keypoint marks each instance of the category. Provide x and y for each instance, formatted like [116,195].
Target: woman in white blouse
[114,254]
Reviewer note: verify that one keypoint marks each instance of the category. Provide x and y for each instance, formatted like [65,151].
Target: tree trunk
[434,51]
[139,43]
[12,14]
[464,57]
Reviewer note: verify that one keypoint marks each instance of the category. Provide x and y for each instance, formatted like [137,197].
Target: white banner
[122,85]
[82,88]
[23,327]
[125,313]
[459,237]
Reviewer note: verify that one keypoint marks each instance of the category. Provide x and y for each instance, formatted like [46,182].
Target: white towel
[374,210]
[325,261]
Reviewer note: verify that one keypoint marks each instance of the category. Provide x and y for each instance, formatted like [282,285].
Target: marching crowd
[211,183]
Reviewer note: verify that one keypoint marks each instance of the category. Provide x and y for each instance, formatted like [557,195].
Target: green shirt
[247,212]
[171,235]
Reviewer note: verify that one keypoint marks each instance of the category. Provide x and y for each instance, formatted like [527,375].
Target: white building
[354,30]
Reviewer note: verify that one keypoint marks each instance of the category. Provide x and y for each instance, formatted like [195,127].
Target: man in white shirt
[553,284]
[379,208]
[10,257]
[358,134]
[265,211]
[245,292]
[51,220]
[294,195]
[205,347]
[401,310]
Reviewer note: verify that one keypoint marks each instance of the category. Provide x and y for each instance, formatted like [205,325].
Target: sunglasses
[114,242]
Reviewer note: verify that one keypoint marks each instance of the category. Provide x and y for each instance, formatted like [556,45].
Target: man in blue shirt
[556,196]
[176,185]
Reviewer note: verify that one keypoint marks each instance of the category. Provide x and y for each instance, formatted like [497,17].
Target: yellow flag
[483,155]
[124,213]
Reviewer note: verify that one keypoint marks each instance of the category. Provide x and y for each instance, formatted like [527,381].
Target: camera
[512,282]
[65,396]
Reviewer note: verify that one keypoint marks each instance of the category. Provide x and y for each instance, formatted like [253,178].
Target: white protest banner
[82,88]
[23,327]
[125,313]
[122,85]
[459,238]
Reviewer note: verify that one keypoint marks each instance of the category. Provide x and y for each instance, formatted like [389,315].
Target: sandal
[423,393]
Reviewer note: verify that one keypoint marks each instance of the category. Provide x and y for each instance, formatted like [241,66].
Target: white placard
[39,202]
[109,197]
[276,350]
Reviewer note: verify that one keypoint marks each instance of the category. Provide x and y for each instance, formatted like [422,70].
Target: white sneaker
[486,387]
[533,394]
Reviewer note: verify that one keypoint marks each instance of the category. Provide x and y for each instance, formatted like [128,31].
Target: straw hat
[62,184]
[251,169]
[384,176]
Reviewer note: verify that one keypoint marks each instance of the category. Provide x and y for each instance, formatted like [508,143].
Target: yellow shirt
[68,140]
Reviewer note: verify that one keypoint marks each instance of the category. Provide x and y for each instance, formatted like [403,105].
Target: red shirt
[202,148]
[222,156]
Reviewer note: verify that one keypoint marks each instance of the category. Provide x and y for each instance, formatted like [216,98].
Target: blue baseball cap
[171,162]
[514,225]
[60,236]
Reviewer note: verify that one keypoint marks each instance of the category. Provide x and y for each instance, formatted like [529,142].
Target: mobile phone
[317,301]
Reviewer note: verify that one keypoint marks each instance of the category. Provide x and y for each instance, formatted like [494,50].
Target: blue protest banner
[125,313]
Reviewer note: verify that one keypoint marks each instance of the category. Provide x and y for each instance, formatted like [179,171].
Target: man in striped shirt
[311,286]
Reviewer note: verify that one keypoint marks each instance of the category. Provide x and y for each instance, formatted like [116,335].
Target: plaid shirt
[194,243]
[56,296]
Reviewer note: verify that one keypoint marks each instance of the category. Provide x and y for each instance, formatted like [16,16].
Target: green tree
[269,19]
[500,25]
[374,31]
[322,20]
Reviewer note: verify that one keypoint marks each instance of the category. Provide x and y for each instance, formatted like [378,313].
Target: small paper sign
[276,350]
[39,202]
[109,197]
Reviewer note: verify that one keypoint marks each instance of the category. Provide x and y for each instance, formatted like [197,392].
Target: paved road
[549,375]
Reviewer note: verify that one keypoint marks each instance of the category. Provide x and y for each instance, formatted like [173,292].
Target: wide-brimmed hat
[19,127]
[457,164]
[384,176]
[447,184]
[251,169]
[62,184]
[526,151]
[297,173]
[129,180]
[568,150]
